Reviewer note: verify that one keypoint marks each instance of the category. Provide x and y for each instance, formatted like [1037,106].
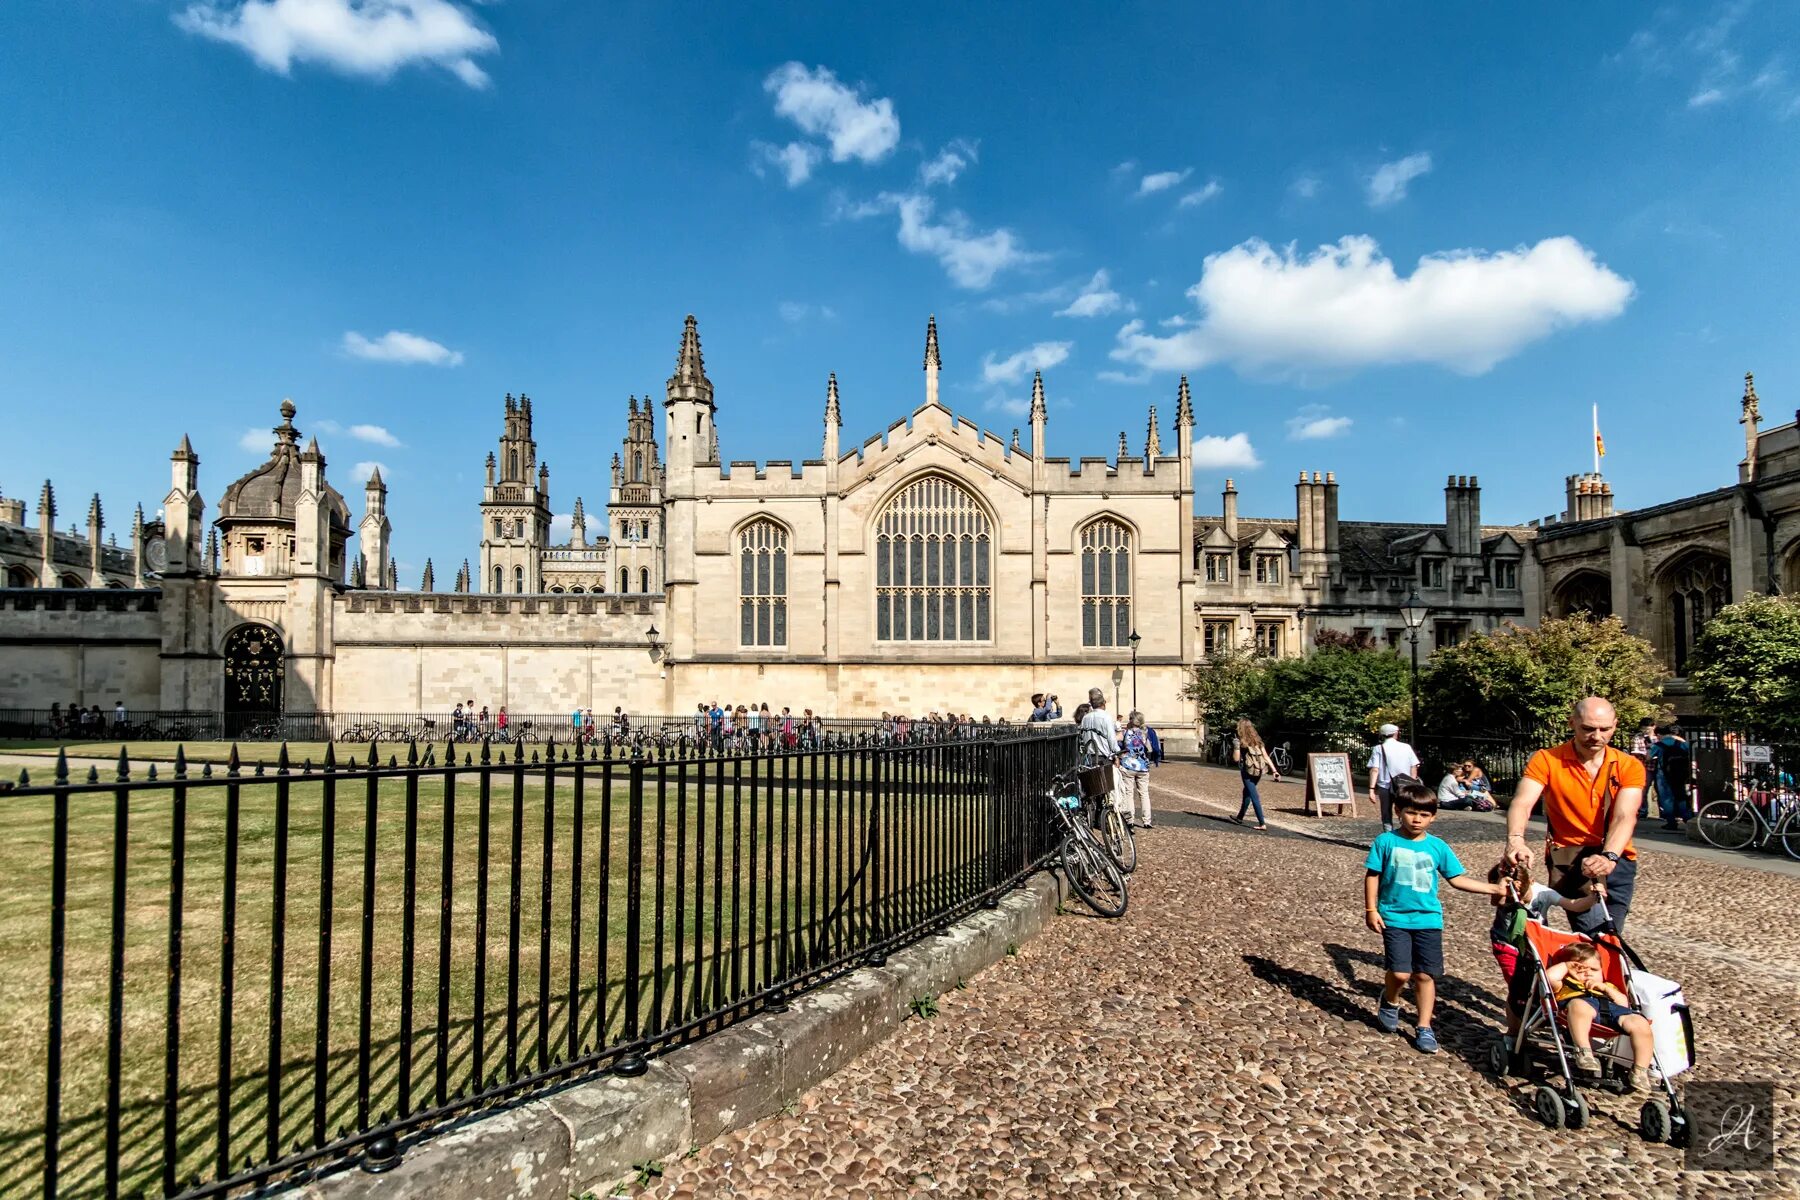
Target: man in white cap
[1387,762]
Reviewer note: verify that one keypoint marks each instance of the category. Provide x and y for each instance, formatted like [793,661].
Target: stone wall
[80,647]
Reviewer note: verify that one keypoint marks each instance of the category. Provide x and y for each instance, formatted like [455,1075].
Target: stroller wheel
[1547,1103]
[1575,1112]
[1654,1121]
[1679,1129]
[1499,1055]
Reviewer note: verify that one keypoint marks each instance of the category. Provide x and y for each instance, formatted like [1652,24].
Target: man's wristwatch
[1610,856]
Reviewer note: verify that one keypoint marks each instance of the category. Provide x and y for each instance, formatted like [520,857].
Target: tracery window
[933,566]
[762,585]
[1105,584]
[499,581]
[1697,590]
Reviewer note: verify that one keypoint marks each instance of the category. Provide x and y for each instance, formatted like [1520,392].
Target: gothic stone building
[933,566]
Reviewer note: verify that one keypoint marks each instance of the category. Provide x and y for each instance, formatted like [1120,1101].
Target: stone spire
[96,522]
[212,551]
[834,419]
[1751,418]
[1124,447]
[356,572]
[393,576]
[1153,443]
[462,577]
[47,501]
[1184,406]
[428,582]
[1040,414]
[47,576]
[137,547]
[932,362]
[1015,440]
[689,381]
[578,527]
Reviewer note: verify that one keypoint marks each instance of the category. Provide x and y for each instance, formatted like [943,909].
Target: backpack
[1676,760]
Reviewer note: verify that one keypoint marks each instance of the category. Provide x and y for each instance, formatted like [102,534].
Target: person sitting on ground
[1587,999]
[1453,789]
[1481,789]
[1521,901]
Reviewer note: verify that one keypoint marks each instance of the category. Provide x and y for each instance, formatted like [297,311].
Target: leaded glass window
[762,585]
[933,555]
[1105,584]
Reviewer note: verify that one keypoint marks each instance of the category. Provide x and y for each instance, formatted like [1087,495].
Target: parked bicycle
[1092,874]
[1113,831]
[1753,820]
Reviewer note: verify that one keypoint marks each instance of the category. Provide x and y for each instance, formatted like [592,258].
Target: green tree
[1228,684]
[1746,665]
[1518,678]
[1334,690]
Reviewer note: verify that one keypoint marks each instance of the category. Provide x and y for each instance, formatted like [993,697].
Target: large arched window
[1697,588]
[19,577]
[762,585]
[933,582]
[637,467]
[1105,584]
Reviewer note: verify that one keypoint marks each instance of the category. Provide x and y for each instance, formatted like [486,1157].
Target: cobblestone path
[1219,1041]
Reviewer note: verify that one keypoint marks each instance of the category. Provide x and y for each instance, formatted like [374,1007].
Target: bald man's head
[1592,723]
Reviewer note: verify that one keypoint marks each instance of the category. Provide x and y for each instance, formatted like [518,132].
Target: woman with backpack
[1252,759]
[1672,766]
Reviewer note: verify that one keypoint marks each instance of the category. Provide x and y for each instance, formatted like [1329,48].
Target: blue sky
[205,207]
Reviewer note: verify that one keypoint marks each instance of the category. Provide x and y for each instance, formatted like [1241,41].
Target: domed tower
[273,524]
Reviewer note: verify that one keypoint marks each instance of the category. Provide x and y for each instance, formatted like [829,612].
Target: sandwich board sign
[1328,782]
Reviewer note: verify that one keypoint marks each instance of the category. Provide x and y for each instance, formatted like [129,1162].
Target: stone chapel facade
[934,566]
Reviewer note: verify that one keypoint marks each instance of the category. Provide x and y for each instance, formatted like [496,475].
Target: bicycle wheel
[1119,840]
[1790,835]
[1727,824]
[1094,877]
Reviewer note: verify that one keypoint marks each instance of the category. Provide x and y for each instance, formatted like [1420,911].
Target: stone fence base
[588,1136]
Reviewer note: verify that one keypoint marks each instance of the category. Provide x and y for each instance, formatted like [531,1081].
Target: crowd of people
[76,721]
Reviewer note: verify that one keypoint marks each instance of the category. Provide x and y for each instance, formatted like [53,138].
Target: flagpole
[1596,439]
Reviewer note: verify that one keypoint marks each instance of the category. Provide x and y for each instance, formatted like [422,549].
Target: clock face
[156,555]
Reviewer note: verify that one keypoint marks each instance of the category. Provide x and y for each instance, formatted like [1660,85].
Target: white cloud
[374,434]
[362,470]
[795,311]
[1705,98]
[1305,187]
[371,38]
[1162,181]
[1344,306]
[795,160]
[950,162]
[562,524]
[1234,451]
[1097,299]
[1015,367]
[1388,183]
[971,259]
[1131,377]
[1201,195]
[1314,422]
[821,106]
[256,441]
[398,346]
[1012,406]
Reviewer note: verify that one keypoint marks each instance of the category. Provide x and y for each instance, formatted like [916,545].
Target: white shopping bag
[1665,1007]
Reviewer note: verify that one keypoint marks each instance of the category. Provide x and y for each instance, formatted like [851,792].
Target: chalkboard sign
[1328,782]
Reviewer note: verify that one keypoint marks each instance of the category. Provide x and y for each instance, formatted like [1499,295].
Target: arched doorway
[1587,592]
[1695,588]
[255,667]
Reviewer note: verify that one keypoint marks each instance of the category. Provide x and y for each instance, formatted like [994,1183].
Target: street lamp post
[1413,613]
[1134,639]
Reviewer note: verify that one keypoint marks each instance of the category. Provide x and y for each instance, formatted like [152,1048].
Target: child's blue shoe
[1388,1017]
[1426,1041]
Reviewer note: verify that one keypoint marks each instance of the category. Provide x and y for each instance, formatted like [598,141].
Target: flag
[1599,442]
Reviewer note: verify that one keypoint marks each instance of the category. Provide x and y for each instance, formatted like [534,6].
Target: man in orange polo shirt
[1591,794]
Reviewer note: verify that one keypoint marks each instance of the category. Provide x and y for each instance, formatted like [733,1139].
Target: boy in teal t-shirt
[1401,904]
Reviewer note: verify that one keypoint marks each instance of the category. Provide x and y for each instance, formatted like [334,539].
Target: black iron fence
[792,732]
[234,975]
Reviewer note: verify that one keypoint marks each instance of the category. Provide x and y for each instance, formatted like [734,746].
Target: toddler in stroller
[1627,1027]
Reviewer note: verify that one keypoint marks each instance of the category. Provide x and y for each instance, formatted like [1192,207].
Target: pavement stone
[1219,1041]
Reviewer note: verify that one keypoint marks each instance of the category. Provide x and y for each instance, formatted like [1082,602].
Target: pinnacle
[931,343]
[374,483]
[186,449]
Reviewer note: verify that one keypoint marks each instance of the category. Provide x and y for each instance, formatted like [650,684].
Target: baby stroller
[1542,1026]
